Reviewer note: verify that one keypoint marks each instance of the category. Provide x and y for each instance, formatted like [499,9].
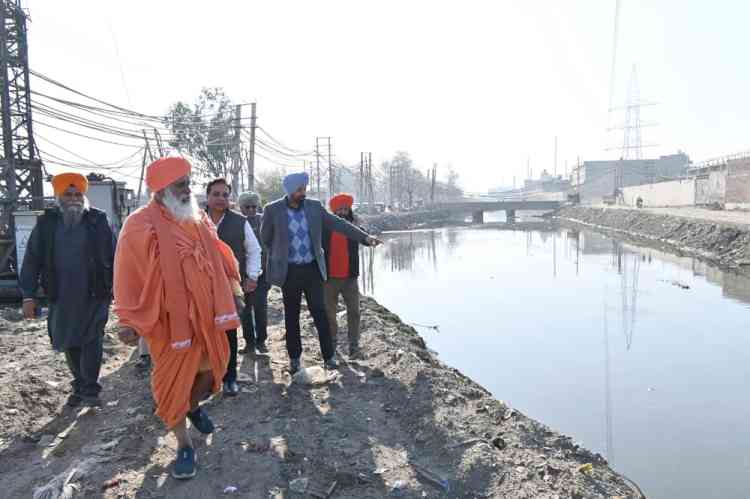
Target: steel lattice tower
[632,147]
[21,178]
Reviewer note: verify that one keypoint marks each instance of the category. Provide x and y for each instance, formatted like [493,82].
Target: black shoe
[294,365]
[231,389]
[332,363]
[184,465]
[200,420]
[144,363]
[74,400]
[91,401]
[261,349]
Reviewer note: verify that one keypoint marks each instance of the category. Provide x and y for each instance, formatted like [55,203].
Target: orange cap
[165,171]
[61,183]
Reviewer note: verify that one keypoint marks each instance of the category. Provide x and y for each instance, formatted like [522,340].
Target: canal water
[639,355]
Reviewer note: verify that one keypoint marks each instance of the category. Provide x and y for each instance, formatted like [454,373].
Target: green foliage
[204,131]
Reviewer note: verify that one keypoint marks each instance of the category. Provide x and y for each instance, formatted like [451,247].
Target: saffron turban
[165,171]
[61,183]
[341,201]
[294,181]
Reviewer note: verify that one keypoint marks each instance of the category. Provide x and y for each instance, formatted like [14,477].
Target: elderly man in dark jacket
[255,315]
[291,232]
[70,253]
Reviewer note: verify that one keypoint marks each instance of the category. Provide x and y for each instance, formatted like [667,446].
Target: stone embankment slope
[397,422]
[723,242]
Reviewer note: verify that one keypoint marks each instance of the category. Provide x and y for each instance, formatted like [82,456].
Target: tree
[270,185]
[205,131]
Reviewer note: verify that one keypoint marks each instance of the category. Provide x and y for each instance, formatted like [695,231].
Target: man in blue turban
[292,234]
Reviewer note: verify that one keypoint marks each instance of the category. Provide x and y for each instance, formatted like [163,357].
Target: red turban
[165,171]
[61,182]
[341,201]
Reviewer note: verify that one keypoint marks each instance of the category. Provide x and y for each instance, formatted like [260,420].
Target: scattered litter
[62,486]
[53,384]
[230,489]
[311,376]
[380,471]
[432,477]
[586,468]
[398,488]
[113,403]
[299,485]
[256,446]
[110,484]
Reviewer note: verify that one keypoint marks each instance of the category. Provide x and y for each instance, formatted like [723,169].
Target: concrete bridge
[477,208]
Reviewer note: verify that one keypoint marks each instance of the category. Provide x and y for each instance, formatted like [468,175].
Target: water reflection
[575,328]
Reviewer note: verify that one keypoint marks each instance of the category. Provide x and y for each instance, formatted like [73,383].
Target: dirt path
[373,429]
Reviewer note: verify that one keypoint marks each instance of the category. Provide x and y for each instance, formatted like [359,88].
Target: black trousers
[255,315]
[305,279]
[231,374]
[84,363]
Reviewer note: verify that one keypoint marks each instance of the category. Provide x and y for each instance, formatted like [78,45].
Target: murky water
[639,355]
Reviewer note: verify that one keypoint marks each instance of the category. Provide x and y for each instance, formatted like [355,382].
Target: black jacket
[353,251]
[231,230]
[39,260]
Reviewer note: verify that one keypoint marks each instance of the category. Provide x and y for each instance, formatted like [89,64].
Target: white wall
[673,193]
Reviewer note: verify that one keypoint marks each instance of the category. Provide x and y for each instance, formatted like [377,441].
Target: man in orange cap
[178,286]
[70,253]
[343,271]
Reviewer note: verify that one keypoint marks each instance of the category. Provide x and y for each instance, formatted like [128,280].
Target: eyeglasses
[224,195]
[249,206]
[77,195]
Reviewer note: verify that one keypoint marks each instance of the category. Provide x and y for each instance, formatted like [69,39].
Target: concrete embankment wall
[723,245]
[673,193]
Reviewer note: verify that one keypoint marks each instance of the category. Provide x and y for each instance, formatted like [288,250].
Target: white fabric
[252,250]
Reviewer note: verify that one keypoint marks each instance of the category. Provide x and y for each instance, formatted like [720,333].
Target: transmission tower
[632,147]
[21,181]
[21,177]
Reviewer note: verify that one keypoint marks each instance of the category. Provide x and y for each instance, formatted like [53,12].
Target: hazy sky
[479,85]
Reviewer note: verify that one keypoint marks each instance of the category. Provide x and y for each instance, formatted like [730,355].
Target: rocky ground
[396,423]
[721,243]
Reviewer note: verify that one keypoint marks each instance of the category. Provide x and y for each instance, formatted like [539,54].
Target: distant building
[597,180]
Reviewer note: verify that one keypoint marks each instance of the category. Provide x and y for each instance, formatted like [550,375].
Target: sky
[479,86]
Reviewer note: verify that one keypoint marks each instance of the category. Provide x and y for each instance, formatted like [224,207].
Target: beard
[182,209]
[72,213]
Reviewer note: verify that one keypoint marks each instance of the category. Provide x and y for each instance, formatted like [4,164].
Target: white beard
[182,211]
[73,213]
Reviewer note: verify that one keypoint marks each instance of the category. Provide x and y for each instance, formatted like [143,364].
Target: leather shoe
[231,388]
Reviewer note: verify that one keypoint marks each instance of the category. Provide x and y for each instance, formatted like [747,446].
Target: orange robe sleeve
[231,266]
[138,283]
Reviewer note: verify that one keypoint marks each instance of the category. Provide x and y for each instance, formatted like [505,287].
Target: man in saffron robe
[177,285]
